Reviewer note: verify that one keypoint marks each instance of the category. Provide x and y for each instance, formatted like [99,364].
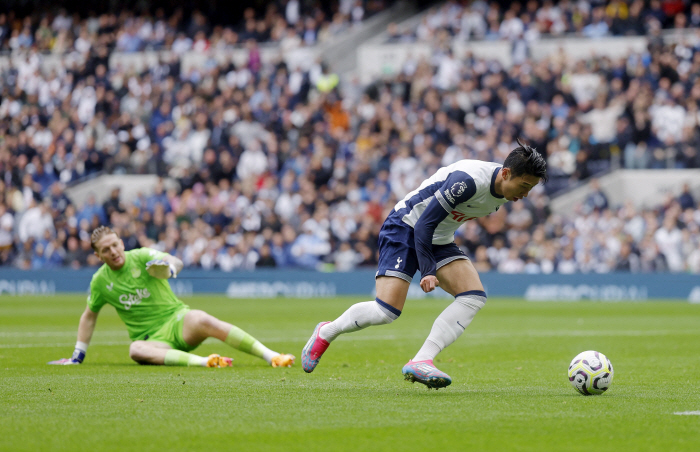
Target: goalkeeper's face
[110,250]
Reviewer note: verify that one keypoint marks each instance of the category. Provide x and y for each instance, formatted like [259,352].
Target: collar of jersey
[126,264]
[493,183]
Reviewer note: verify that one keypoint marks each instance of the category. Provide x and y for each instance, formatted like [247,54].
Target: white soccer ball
[591,373]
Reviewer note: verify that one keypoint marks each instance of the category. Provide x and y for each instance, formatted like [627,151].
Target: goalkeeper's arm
[174,261]
[85,330]
[166,267]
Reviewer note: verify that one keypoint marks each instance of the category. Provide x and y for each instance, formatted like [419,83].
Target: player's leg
[387,307]
[198,325]
[160,353]
[460,279]
[166,346]
[144,352]
[397,265]
[391,296]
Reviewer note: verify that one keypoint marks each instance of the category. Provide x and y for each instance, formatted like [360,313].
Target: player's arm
[457,188]
[423,234]
[165,267]
[85,329]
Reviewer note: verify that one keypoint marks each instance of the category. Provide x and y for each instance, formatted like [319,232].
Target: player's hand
[158,268]
[65,362]
[77,358]
[429,283]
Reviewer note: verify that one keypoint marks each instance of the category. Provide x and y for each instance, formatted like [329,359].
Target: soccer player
[163,329]
[418,234]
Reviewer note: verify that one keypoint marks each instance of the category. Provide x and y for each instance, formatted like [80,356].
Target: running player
[419,235]
[163,329]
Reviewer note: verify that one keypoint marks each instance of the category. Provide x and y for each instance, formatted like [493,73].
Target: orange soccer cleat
[215,360]
[283,360]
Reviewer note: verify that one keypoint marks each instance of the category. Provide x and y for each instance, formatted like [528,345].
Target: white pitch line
[67,344]
[687,413]
[58,333]
[390,337]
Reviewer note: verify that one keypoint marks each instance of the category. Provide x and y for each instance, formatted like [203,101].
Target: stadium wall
[379,60]
[310,284]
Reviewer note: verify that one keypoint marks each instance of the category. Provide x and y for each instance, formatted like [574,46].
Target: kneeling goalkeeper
[163,328]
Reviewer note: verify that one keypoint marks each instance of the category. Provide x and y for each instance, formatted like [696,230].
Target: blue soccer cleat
[426,373]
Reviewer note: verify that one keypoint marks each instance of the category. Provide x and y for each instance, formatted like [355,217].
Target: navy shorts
[397,252]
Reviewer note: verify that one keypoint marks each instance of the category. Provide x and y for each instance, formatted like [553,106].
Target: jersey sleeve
[143,255]
[457,188]
[95,300]
[423,235]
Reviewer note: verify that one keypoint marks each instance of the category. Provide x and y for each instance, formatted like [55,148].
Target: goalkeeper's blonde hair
[98,233]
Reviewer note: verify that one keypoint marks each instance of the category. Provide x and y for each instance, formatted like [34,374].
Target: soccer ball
[591,373]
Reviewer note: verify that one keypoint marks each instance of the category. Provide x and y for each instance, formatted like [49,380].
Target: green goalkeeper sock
[240,340]
[180,358]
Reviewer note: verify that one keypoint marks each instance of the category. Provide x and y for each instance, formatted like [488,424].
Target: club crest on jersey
[110,286]
[129,299]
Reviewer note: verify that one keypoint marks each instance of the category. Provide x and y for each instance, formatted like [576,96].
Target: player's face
[110,250]
[516,188]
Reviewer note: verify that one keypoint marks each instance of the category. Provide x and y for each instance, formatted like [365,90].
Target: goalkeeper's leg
[199,325]
[159,353]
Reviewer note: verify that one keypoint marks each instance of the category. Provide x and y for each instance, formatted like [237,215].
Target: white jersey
[465,190]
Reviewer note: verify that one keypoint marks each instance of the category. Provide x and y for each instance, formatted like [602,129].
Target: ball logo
[458,188]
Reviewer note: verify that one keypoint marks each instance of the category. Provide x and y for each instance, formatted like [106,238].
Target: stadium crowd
[530,19]
[275,167]
[287,22]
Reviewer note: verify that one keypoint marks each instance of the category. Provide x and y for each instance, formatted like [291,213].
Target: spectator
[686,199]
[597,199]
[36,221]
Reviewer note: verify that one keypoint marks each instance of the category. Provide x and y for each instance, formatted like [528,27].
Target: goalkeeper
[163,329]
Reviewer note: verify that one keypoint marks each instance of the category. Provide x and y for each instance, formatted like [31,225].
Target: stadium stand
[281,166]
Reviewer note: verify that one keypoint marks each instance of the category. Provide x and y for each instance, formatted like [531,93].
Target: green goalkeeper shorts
[171,332]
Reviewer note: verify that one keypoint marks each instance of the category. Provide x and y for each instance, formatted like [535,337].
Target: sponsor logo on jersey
[135,272]
[129,299]
[460,217]
[458,188]
[110,286]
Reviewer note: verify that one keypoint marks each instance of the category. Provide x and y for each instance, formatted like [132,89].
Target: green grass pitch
[510,390]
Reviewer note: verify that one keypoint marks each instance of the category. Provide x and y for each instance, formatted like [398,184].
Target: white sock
[359,316]
[451,323]
[268,354]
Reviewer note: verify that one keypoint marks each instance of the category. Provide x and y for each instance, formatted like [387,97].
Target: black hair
[526,160]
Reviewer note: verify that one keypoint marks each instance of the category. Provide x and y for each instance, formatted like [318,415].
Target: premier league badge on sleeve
[458,188]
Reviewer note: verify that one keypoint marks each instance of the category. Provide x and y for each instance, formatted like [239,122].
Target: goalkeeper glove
[77,358]
[161,269]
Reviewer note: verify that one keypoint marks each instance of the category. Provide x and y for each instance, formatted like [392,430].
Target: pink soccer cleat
[313,350]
